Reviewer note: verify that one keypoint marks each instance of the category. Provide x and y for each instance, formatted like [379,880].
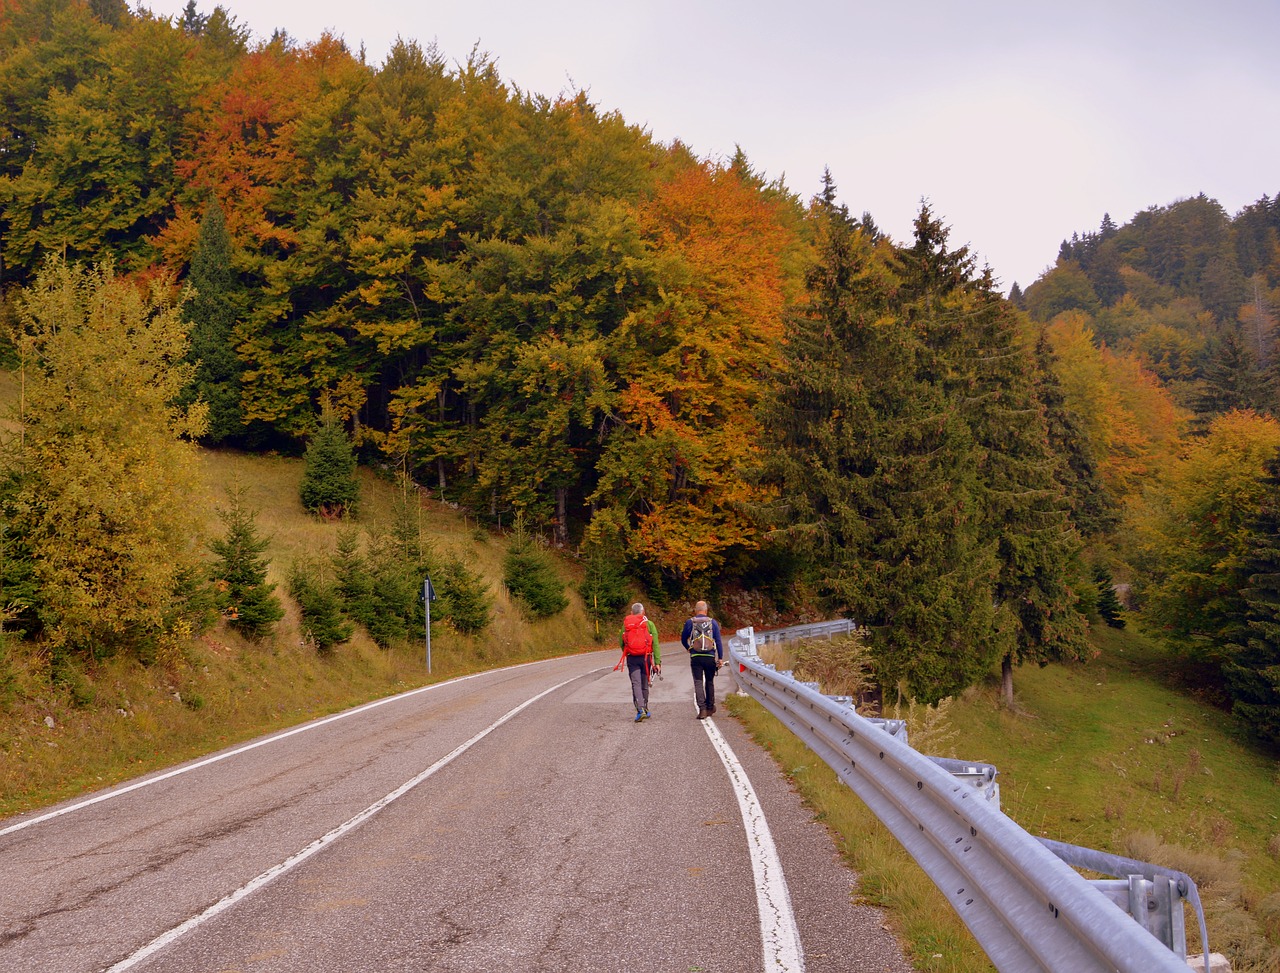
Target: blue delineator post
[428,596]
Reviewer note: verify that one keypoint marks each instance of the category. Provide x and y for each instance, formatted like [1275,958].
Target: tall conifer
[1025,511]
[211,311]
[877,467]
[1252,668]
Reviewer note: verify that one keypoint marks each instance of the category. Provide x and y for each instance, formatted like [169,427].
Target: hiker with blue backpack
[701,636]
[639,641]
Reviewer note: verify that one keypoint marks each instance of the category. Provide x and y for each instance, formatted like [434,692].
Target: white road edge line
[778,931]
[165,939]
[274,738]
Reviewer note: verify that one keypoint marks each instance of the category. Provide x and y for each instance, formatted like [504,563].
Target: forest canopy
[669,365]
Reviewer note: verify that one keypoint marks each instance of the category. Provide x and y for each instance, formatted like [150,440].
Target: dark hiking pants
[704,678]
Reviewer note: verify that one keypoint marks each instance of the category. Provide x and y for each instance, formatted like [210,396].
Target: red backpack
[636,639]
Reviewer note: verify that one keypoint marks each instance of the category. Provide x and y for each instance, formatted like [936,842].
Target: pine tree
[1025,510]
[464,596]
[1231,380]
[357,587]
[211,311]
[1252,667]
[329,484]
[245,596]
[603,587]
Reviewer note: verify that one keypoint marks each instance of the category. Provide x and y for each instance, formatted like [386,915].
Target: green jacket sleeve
[657,653]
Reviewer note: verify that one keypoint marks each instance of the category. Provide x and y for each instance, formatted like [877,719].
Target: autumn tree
[272,143]
[1094,512]
[104,459]
[102,176]
[691,361]
[1195,539]
[1129,421]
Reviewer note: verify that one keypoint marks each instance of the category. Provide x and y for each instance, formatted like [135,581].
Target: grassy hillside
[1106,755]
[111,720]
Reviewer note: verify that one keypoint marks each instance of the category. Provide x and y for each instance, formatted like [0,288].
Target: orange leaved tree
[690,365]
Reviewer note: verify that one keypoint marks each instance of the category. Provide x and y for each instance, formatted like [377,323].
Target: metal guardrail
[1019,895]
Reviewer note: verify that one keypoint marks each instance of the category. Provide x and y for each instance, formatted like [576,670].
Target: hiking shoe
[711,709]
[640,716]
[703,714]
[646,714]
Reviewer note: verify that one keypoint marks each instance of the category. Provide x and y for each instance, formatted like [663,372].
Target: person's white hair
[637,609]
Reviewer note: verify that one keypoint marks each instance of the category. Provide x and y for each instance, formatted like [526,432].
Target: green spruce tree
[603,588]
[211,313]
[530,576]
[464,597]
[239,574]
[323,621]
[1231,380]
[1109,606]
[1024,510]
[329,486]
[878,468]
[1252,666]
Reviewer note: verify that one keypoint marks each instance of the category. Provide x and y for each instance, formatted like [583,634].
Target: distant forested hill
[1189,290]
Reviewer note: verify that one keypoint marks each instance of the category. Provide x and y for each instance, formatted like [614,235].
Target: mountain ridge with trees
[672,367]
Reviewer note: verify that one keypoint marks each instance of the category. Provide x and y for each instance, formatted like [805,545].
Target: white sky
[1021,122]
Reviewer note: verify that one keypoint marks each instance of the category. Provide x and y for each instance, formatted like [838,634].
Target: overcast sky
[1020,122]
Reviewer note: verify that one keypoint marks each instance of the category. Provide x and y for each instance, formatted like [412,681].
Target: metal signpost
[427,597]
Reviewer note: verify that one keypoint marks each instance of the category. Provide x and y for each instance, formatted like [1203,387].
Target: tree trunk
[1006,680]
[562,515]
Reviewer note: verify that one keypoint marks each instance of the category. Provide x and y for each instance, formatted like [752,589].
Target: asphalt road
[517,820]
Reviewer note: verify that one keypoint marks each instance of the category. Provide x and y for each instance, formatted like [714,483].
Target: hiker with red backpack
[701,636]
[639,641]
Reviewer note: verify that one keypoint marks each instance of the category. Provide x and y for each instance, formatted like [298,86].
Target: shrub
[841,665]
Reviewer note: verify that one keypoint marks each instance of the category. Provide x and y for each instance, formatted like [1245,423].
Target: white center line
[165,939]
